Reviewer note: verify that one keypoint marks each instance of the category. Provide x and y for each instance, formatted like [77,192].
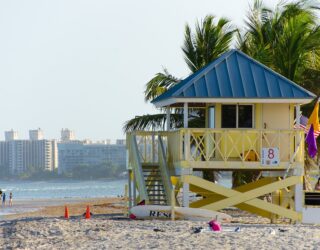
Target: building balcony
[224,149]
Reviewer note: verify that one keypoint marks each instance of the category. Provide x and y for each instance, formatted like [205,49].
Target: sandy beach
[109,229]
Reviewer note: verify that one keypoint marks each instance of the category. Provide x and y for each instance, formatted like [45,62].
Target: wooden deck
[223,149]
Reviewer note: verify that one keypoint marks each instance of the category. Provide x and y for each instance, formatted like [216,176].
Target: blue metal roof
[236,75]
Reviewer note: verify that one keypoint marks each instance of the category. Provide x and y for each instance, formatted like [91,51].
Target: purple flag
[311,141]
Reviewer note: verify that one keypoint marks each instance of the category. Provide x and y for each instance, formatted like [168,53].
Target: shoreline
[63,179]
[55,207]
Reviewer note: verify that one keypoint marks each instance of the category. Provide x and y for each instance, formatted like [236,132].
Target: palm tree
[208,42]
[287,40]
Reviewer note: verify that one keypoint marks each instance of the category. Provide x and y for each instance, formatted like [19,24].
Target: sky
[83,64]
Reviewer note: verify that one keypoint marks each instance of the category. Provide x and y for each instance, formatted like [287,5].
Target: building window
[229,116]
[237,116]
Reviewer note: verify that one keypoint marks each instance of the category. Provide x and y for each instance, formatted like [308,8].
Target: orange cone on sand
[66,212]
[88,213]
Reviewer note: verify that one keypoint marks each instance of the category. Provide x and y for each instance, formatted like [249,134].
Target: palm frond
[159,84]
[152,122]
[208,41]
[283,38]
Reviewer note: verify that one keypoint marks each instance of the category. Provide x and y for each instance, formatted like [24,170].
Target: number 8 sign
[270,156]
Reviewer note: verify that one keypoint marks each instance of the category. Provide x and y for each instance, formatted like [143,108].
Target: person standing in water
[4,199]
[10,199]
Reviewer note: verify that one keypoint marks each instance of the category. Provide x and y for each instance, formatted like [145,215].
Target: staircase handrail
[164,170]
[137,168]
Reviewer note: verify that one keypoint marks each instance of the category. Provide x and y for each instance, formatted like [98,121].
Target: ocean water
[32,195]
[58,189]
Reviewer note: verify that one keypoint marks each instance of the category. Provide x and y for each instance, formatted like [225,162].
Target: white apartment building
[20,155]
[121,142]
[11,135]
[67,135]
[36,134]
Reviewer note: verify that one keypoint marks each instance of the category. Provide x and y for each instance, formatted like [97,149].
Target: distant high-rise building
[106,142]
[77,153]
[16,156]
[67,135]
[11,135]
[121,142]
[36,134]
[4,157]
[37,154]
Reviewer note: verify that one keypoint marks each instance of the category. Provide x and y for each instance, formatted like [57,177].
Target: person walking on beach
[4,200]
[10,199]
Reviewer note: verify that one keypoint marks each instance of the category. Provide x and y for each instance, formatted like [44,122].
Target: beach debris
[215,225]
[225,230]
[88,214]
[66,212]
[158,230]
[238,229]
[196,230]
[272,231]
[141,203]
[132,216]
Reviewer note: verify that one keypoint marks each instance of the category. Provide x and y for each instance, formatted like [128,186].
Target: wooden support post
[153,148]
[298,136]
[168,118]
[129,188]
[298,115]
[127,201]
[187,145]
[134,189]
[185,189]
[173,202]
[297,125]
[185,115]
[185,194]
[298,197]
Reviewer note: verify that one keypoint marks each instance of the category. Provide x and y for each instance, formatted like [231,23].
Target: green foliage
[205,44]
[105,170]
[159,84]
[37,174]
[82,172]
[286,39]
[146,122]
[242,177]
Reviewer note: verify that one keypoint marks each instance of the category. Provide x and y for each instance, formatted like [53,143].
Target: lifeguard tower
[250,112]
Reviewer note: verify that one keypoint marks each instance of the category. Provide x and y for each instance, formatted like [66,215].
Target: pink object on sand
[132,216]
[214,225]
